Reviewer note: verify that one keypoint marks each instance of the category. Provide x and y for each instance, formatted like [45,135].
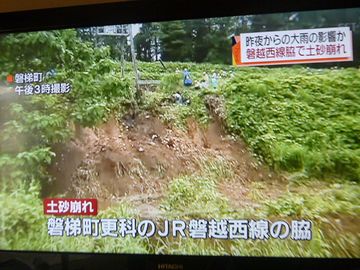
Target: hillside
[267,143]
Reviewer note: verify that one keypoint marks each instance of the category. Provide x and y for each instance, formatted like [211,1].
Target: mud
[137,157]
[340,223]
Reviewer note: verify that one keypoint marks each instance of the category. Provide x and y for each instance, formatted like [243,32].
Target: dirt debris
[140,156]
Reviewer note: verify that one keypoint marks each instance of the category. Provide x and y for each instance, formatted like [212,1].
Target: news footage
[220,136]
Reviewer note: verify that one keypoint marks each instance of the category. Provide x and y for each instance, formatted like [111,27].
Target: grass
[332,198]
[197,196]
[24,227]
[299,120]
[172,114]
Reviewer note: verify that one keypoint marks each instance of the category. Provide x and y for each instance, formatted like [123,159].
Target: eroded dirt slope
[137,157]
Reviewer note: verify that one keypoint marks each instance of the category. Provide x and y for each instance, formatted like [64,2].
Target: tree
[174,41]
[270,22]
[200,39]
[147,42]
[118,44]
[218,36]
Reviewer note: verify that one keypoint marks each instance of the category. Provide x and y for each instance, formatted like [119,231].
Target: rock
[154,136]
[140,149]
[337,186]
[171,143]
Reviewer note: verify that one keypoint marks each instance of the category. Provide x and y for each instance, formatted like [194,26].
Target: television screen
[231,136]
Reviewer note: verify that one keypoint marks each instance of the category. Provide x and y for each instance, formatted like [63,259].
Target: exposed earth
[135,158]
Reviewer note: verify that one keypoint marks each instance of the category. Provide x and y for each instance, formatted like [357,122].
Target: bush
[299,119]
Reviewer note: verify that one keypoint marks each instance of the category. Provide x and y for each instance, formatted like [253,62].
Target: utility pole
[122,56]
[134,60]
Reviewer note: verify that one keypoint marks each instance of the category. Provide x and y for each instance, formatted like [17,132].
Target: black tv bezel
[134,11]
[161,10]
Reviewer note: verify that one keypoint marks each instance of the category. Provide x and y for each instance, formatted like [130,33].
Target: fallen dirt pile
[137,157]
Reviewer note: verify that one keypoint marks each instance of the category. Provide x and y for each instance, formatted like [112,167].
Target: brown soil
[137,158]
[340,223]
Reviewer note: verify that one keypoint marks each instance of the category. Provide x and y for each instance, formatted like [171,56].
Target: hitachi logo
[170,266]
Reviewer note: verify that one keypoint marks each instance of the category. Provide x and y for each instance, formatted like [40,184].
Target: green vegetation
[161,103]
[42,121]
[33,126]
[196,196]
[327,205]
[23,226]
[204,40]
[330,199]
[300,120]
[305,123]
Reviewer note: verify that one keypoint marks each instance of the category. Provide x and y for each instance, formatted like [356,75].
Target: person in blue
[178,98]
[51,73]
[215,80]
[187,78]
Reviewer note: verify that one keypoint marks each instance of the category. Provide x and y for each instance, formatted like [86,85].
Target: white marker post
[132,47]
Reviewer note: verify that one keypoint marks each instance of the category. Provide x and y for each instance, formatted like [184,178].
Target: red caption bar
[70,207]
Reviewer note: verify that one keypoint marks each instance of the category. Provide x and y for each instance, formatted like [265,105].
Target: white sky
[136,28]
